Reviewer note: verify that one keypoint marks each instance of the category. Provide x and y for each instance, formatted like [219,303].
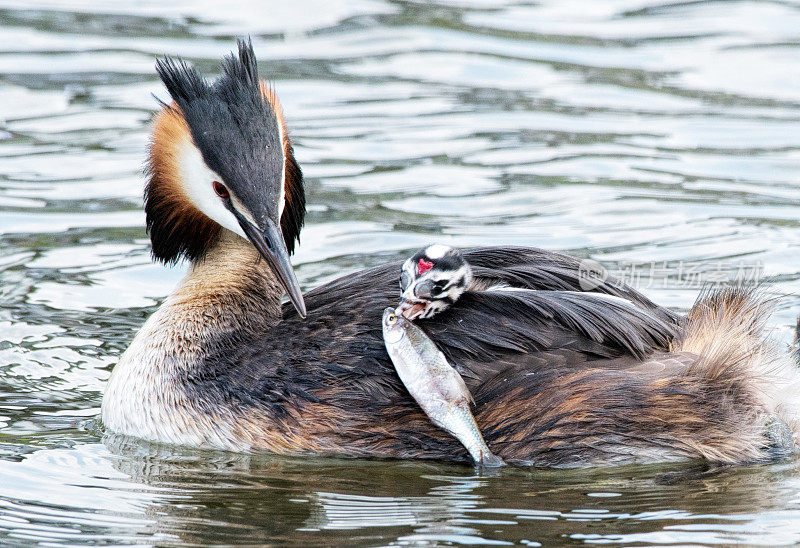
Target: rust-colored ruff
[177,228]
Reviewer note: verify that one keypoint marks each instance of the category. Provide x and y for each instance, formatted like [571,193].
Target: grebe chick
[436,276]
[432,280]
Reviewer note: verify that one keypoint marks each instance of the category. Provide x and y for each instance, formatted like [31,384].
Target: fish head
[394,326]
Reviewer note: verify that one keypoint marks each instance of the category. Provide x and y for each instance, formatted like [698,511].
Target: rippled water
[662,139]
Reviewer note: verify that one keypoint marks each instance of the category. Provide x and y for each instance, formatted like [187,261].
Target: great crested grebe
[560,377]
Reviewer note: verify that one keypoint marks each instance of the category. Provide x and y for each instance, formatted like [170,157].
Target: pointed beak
[271,246]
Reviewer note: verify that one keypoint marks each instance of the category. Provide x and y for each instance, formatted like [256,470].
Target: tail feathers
[726,328]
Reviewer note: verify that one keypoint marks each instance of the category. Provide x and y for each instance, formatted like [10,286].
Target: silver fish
[434,384]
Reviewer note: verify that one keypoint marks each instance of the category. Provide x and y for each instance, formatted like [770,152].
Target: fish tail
[470,437]
[490,460]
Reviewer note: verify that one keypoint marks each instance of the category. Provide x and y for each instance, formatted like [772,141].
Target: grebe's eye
[220,189]
[392,318]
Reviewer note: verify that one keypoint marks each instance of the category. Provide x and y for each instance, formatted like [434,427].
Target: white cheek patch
[464,272]
[241,209]
[436,277]
[408,268]
[196,180]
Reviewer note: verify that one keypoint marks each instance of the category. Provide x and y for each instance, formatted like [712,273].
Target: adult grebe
[560,377]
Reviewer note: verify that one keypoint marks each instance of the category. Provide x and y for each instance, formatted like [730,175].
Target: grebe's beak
[270,244]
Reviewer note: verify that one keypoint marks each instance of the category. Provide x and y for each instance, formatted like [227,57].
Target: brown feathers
[555,397]
[177,228]
[553,403]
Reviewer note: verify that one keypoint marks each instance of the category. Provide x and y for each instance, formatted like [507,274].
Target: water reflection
[125,489]
[200,497]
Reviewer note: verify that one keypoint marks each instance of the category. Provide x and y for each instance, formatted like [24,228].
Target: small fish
[434,384]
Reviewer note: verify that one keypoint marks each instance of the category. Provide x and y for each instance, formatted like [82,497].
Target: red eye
[220,189]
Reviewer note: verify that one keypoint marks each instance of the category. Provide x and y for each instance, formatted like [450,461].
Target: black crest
[237,131]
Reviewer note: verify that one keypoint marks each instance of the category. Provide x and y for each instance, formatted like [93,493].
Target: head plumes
[220,156]
[226,135]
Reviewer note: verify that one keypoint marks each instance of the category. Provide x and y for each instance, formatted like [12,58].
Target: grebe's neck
[228,298]
[230,293]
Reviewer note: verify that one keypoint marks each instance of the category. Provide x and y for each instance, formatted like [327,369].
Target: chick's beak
[410,308]
[270,244]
